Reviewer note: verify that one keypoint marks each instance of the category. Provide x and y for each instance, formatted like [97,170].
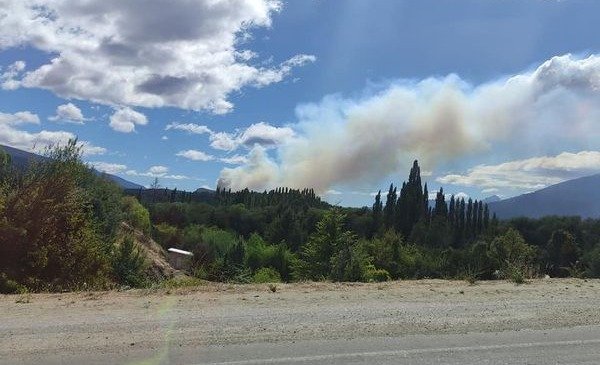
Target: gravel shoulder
[43,326]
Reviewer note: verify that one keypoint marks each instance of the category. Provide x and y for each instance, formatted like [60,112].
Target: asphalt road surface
[423,322]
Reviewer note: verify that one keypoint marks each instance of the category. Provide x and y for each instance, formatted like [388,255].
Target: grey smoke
[342,141]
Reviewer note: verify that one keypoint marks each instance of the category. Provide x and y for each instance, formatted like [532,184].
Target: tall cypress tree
[486,217]
[462,221]
[451,211]
[390,208]
[377,213]
[480,217]
[469,219]
[441,209]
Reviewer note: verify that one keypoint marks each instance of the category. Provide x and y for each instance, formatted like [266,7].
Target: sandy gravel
[113,322]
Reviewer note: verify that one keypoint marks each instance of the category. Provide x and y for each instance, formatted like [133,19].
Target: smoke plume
[437,120]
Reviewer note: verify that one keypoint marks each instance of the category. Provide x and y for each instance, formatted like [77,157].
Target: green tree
[562,253]
[328,240]
[511,254]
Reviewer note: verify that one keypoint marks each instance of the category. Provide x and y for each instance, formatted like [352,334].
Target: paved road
[574,346]
[423,322]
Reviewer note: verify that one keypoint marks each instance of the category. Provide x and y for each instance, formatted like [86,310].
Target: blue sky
[494,97]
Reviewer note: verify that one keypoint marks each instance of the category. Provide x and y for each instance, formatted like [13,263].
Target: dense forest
[60,230]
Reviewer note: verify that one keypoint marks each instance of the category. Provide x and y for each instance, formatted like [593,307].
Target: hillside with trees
[61,229]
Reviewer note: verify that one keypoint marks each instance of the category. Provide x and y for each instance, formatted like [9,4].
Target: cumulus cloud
[260,133]
[181,53]
[19,118]
[195,155]
[157,171]
[68,113]
[9,77]
[438,120]
[234,160]
[11,135]
[529,174]
[109,168]
[189,127]
[125,119]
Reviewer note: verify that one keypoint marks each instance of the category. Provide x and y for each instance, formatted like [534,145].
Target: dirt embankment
[109,322]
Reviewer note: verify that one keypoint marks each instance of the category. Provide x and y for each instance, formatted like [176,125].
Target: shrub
[266,275]
[9,286]
[591,260]
[511,255]
[129,264]
[135,214]
[167,236]
[54,228]
[374,274]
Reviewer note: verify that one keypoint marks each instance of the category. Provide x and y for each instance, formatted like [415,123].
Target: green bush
[511,255]
[135,214]
[266,275]
[373,274]
[9,286]
[167,236]
[56,224]
[129,264]
[591,260]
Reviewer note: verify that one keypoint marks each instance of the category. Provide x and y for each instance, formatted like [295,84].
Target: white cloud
[181,53]
[19,118]
[342,141]
[333,192]
[8,79]
[195,155]
[260,133]
[37,141]
[223,141]
[157,171]
[529,174]
[265,135]
[68,113]
[109,168]
[234,160]
[125,119]
[189,127]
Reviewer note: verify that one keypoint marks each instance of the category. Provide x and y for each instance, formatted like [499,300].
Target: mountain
[21,159]
[579,197]
[492,199]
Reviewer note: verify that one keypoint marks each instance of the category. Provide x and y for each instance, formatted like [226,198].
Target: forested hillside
[59,231]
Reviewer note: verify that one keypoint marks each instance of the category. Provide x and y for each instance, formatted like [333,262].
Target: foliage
[591,261]
[54,223]
[562,253]
[129,264]
[373,274]
[135,214]
[511,254]
[266,275]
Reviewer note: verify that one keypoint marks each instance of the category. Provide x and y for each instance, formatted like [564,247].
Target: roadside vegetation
[59,230]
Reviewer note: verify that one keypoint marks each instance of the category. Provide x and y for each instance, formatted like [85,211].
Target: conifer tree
[451,211]
[441,209]
[390,208]
[469,219]
[377,213]
[486,217]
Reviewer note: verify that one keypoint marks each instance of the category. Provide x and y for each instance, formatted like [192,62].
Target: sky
[495,97]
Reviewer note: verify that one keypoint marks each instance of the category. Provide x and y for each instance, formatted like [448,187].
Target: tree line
[60,230]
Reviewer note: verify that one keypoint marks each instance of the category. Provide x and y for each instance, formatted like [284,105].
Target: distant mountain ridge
[21,159]
[577,197]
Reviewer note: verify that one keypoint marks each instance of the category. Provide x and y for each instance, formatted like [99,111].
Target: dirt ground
[41,325]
